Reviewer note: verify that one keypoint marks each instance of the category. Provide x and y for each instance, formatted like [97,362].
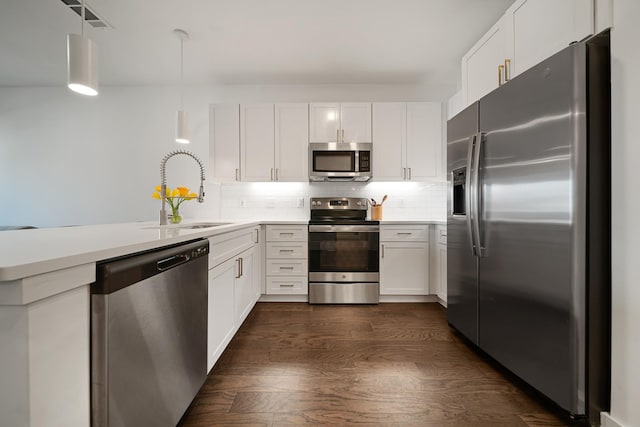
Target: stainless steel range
[344,265]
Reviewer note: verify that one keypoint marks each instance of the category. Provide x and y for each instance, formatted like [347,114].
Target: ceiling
[249,41]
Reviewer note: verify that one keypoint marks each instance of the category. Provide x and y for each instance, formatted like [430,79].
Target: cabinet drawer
[287,250]
[287,233]
[401,233]
[227,245]
[286,267]
[296,285]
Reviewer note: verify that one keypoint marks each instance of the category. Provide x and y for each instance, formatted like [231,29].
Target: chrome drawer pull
[286,286]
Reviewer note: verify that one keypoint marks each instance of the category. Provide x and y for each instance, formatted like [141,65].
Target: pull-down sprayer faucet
[163,181]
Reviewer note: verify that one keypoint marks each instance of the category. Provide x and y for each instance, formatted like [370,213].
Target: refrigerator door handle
[479,137]
[468,193]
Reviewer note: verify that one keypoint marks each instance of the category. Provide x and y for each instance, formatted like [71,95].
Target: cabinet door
[257,142]
[424,140]
[404,268]
[244,294]
[324,122]
[224,124]
[480,64]
[442,285]
[221,322]
[538,34]
[389,139]
[291,142]
[355,122]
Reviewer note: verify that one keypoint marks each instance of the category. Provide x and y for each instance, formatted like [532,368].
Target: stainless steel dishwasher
[148,336]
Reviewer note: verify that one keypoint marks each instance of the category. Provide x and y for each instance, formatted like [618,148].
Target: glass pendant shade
[182,128]
[82,65]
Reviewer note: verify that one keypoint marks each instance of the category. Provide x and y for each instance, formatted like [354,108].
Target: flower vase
[176,218]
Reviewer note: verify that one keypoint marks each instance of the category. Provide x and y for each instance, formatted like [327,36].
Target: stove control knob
[314,203]
[359,203]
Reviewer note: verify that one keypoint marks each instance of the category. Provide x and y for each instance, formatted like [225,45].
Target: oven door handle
[344,228]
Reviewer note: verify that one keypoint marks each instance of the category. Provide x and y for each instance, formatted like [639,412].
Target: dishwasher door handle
[171,262]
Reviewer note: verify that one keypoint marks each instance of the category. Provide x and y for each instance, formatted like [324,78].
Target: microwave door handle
[468,193]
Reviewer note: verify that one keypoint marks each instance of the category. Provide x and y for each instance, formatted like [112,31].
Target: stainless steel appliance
[149,336]
[344,266]
[528,255]
[340,161]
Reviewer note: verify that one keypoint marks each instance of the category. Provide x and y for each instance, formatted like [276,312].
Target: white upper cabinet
[528,32]
[224,122]
[407,141]
[543,27]
[389,140]
[424,140]
[333,122]
[257,142]
[480,64]
[273,142]
[291,148]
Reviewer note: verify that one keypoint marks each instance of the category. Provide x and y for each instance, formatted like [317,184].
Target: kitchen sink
[192,226]
[202,225]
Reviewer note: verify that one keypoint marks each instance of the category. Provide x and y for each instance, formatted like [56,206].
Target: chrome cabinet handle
[238,274]
[277,174]
[405,234]
[286,268]
[286,250]
[241,267]
[342,135]
[409,173]
[237,171]
[337,135]
[382,251]
[404,173]
[271,174]
[286,285]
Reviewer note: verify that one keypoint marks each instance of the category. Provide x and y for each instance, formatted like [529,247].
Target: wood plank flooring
[294,364]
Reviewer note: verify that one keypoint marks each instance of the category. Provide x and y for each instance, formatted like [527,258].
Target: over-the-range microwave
[340,161]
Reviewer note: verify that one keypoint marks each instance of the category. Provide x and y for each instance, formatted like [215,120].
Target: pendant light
[82,61]
[182,126]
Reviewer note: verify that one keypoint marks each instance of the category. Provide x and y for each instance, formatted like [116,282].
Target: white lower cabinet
[404,260]
[287,260]
[439,263]
[234,271]
[220,324]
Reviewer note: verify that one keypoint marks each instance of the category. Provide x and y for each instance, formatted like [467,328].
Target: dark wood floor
[296,364]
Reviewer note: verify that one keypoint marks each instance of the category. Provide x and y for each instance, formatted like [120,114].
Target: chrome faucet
[163,181]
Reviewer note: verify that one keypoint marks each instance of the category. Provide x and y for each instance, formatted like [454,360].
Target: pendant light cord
[181,73]
[82,18]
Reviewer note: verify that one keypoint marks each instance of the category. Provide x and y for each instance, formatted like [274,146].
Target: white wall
[625,366]
[67,159]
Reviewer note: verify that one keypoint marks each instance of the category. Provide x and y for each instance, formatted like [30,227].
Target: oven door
[343,253]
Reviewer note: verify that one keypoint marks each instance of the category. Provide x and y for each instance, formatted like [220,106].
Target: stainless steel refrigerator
[528,255]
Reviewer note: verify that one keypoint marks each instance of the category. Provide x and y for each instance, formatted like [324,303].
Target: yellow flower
[192,196]
[175,193]
[156,195]
[184,191]
[158,188]
[168,192]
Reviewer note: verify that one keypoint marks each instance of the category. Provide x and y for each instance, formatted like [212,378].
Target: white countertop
[25,253]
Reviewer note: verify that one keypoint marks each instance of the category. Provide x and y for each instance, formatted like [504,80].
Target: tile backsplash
[290,200]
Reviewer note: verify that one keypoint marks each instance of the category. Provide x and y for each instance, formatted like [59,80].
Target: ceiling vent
[90,16]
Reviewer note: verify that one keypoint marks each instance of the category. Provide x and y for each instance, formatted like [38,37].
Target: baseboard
[408,298]
[283,298]
[607,421]
[383,298]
